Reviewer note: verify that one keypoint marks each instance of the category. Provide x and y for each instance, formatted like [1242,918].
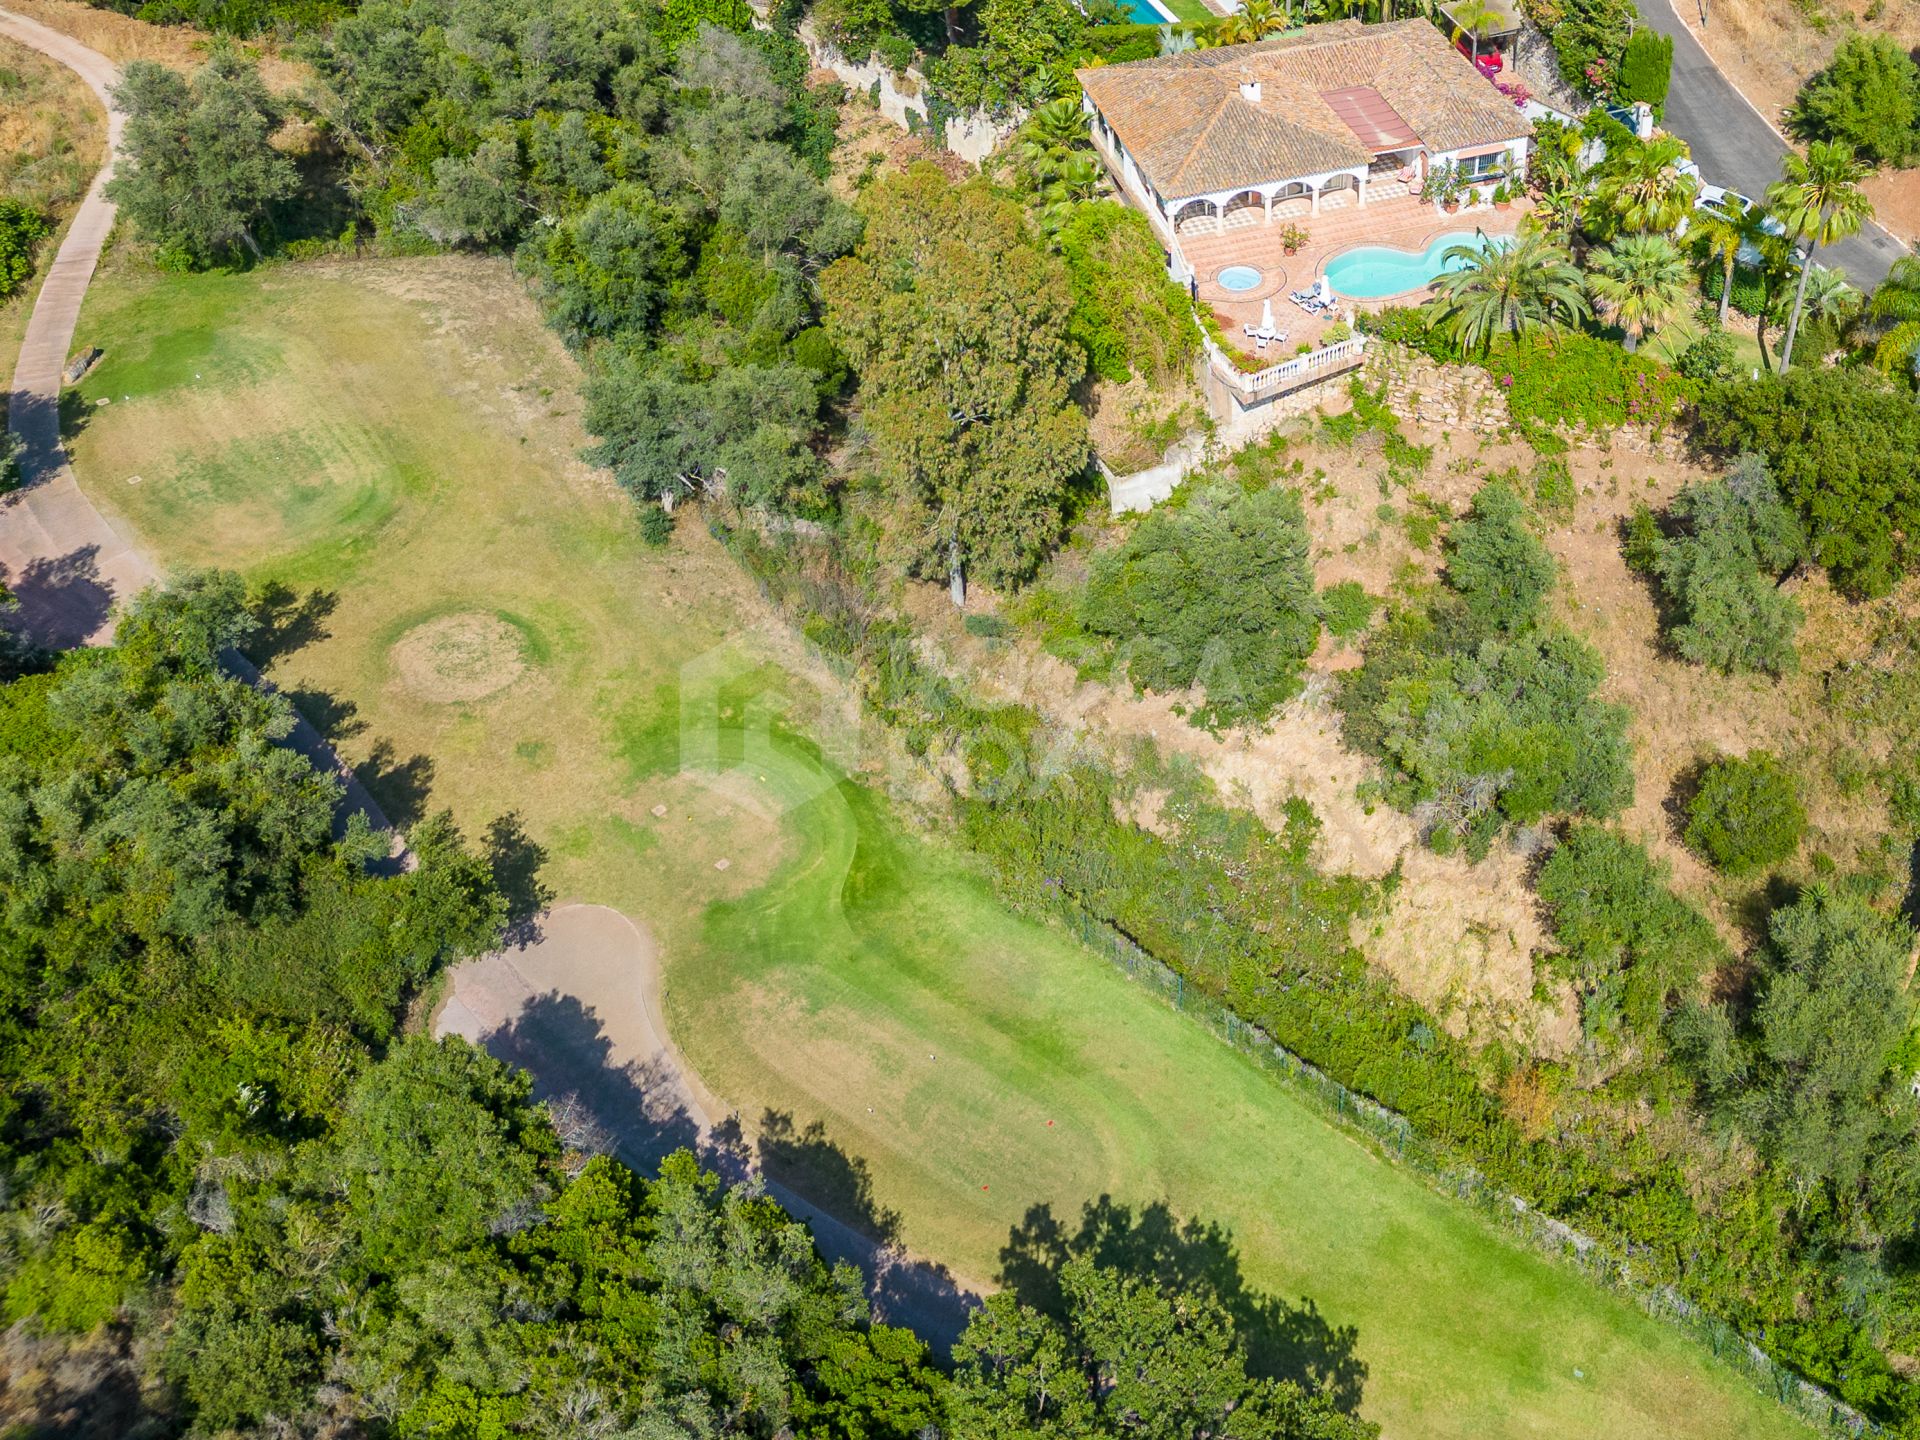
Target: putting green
[400,438]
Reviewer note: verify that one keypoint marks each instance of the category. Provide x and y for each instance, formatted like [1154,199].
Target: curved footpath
[576,1001]
[1736,146]
[65,564]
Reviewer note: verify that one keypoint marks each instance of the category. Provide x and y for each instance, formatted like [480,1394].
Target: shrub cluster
[1127,315]
[1717,565]
[1631,945]
[1584,382]
[1483,713]
[1746,814]
[21,230]
[1215,593]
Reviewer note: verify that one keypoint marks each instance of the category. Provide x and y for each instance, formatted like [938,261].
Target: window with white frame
[1477,167]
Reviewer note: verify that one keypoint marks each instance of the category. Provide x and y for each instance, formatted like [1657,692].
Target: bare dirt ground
[1466,938]
[872,145]
[1769,49]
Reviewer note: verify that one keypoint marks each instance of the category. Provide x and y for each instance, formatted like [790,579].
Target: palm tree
[1052,135]
[1722,235]
[1507,290]
[1819,200]
[1558,205]
[1475,18]
[1255,20]
[1642,279]
[1647,190]
[1831,297]
[1896,305]
[1176,42]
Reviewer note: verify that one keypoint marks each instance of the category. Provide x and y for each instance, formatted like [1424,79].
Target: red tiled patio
[1244,238]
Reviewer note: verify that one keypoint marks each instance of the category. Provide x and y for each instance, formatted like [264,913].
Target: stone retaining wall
[902,98]
[1465,397]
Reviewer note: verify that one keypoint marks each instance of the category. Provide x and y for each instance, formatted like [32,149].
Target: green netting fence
[1391,1134]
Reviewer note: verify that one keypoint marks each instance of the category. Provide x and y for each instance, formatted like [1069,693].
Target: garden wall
[1466,397]
[902,98]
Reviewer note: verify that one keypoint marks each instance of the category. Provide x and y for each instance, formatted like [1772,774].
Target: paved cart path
[577,1000]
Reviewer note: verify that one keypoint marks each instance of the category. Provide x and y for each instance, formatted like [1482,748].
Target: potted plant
[1442,186]
[1292,238]
[1503,196]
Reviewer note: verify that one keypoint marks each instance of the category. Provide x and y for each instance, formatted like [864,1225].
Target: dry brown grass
[122,38]
[872,146]
[52,130]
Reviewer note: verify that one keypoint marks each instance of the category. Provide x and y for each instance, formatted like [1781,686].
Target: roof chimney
[1250,91]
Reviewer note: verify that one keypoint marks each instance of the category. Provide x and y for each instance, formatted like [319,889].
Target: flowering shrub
[1516,91]
[1587,383]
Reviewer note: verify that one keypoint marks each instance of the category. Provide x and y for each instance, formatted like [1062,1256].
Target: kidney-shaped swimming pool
[1373,272]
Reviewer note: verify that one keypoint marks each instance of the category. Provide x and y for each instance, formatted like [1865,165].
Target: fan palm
[1722,235]
[1507,290]
[1176,42]
[1052,135]
[1819,200]
[1896,305]
[1647,190]
[1643,280]
[1831,297]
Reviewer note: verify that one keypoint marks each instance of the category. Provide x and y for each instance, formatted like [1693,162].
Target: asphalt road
[1735,148]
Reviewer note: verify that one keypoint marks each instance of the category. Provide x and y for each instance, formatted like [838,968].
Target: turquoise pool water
[1373,272]
[1145,12]
[1238,277]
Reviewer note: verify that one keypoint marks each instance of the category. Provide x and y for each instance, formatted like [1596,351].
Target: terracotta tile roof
[1192,130]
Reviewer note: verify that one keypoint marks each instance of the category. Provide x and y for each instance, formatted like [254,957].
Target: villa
[1259,164]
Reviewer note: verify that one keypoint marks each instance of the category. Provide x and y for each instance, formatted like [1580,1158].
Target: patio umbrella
[1266,313]
[1324,290]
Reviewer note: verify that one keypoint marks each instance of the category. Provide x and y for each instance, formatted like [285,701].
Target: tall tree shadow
[810,1164]
[1284,1341]
[632,1108]
[401,787]
[288,621]
[515,858]
[61,600]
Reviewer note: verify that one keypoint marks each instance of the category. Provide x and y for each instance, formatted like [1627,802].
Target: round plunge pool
[1237,278]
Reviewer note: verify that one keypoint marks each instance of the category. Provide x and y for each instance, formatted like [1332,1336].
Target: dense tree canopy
[199,171]
[1127,1361]
[956,324]
[1868,97]
[1844,448]
[1218,594]
[1808,1077]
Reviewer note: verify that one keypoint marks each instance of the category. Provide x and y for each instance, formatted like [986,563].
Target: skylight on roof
[1365,111]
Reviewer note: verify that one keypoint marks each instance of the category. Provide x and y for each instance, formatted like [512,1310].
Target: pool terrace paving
[1403,222]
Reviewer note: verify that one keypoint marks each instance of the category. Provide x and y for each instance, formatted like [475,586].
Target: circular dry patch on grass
[464,656]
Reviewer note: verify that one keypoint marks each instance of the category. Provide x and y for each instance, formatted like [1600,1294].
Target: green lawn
[400,439]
